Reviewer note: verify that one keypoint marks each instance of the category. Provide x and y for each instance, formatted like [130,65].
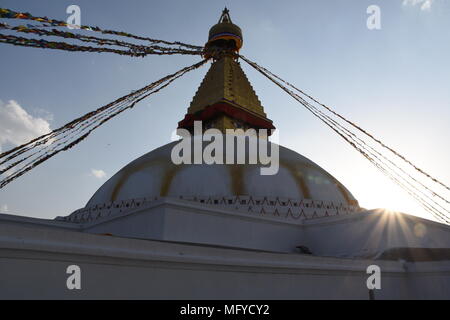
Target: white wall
[33,264]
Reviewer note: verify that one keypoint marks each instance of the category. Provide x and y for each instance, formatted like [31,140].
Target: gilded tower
[225,98]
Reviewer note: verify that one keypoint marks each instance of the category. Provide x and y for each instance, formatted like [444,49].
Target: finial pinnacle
[225,17]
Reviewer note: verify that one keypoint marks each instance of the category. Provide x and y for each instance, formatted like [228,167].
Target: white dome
[154,174]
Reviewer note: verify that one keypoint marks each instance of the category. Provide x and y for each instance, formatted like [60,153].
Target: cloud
[44,114]
[4,208]
[17,126]
[425,5]
[100,174]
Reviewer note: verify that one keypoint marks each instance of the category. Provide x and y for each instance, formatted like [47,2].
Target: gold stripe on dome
[236,174]
[298,177]
[237,178]
[169,170]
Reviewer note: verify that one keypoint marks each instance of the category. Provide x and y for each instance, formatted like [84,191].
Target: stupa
[160,230]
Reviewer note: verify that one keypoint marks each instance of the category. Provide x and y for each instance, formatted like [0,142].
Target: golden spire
[224,35]
[225,98]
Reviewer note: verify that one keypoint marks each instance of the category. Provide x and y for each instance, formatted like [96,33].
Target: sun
[378,191]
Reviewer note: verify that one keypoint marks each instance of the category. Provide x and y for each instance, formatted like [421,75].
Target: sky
[394,82]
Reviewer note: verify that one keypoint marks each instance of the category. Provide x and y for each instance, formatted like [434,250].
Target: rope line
[99,41]
[368,152]
[78,129]
[355,126]
[40,43]
[10,14]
